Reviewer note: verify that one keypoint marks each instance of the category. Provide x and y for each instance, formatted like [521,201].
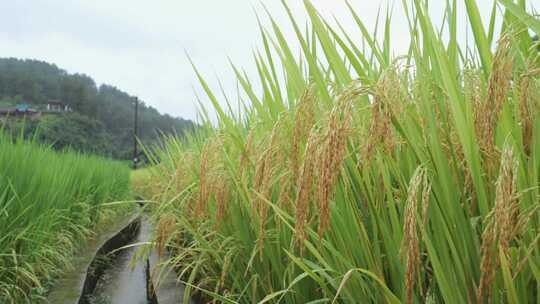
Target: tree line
[102,118]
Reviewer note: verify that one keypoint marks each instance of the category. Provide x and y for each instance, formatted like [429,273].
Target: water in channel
[124,282]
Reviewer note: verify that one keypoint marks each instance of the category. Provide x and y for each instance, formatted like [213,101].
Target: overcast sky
[139,46]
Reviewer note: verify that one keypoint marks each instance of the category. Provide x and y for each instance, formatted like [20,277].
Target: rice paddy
[356,176]
[50,203]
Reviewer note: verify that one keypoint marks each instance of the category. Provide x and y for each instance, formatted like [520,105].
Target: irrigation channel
[122,279]
[108,272]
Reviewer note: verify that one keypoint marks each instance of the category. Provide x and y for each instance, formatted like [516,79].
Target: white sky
[139,45]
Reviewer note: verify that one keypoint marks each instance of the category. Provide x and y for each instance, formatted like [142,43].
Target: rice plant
[49,204]
[358,177]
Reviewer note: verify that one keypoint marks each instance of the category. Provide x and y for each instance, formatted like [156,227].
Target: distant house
[23,110]
[18,111]
[57,106]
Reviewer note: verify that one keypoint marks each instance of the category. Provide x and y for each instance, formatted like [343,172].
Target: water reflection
[123,282]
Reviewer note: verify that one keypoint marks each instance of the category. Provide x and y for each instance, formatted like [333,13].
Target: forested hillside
[102,117]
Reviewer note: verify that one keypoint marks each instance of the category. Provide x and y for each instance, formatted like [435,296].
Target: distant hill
[102,117]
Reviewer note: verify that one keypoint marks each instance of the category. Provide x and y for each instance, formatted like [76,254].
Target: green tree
[110,109]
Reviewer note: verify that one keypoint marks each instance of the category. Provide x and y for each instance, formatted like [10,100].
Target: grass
[358,177]
[49,203]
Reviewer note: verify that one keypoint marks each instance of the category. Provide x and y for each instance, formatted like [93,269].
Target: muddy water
[124,282]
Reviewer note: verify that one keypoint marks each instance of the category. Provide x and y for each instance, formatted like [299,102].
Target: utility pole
[135,133]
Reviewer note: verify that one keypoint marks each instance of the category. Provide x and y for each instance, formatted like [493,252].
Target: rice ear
[410,245]
[500,225]
[304,186]
[498,87]
[333,149]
